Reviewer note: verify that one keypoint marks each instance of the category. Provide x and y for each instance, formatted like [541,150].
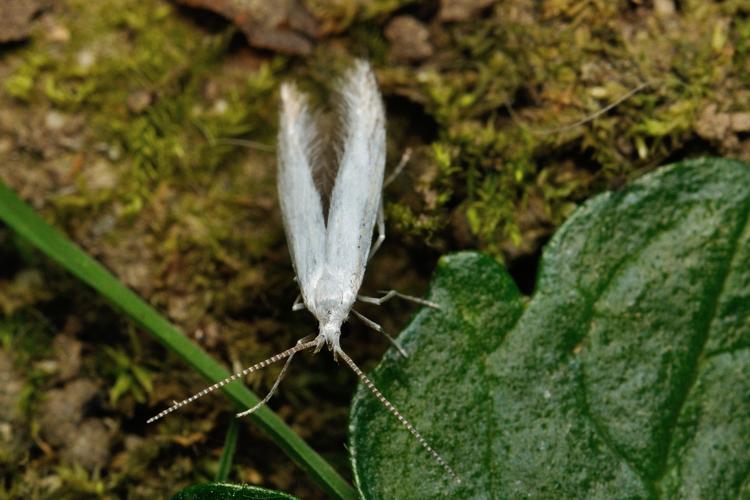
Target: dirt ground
[145,130]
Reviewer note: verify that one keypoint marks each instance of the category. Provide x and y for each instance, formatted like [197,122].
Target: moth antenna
[389,406]
[275,384]
[273,359]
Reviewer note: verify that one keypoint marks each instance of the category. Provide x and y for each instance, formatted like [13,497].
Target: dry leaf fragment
[17,17]
[283,25]
[461,10]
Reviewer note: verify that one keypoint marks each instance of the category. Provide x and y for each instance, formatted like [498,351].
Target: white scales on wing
[330,258]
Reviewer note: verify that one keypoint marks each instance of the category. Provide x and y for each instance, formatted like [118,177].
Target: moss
[157,186]
[505,86]
[164,114]
[499,81]
[77,482]
[126,49]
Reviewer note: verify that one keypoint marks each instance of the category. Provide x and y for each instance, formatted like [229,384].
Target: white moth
[330,256]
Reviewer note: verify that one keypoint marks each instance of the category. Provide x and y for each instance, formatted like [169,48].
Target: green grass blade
[25,221]
[227,455]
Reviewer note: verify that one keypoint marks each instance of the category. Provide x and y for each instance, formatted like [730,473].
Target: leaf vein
[591,299]
[601,430]
[713,308]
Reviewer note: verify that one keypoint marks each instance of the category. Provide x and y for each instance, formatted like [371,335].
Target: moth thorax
[331,301]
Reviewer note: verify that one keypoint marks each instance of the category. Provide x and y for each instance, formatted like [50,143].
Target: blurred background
[145,131]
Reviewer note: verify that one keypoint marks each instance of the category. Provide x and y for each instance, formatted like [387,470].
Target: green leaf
[221,491]
[626,375]
[25,221]
[143,377]
[121,386]
[227,454]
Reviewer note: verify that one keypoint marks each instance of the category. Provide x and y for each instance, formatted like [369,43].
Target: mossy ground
[120,122]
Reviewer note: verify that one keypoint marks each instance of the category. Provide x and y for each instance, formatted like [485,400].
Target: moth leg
[399,168]
[379,329]
[380,223]
[298,303]
[276,382]
[389,294]
[271,392]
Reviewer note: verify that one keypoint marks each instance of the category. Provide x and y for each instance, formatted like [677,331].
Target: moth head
[330,331]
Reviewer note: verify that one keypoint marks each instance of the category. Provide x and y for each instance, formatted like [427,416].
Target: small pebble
[461,10]
[409,39]
[139,101]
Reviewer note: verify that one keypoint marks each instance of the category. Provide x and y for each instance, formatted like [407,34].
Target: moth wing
[356,194]
[301,207]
